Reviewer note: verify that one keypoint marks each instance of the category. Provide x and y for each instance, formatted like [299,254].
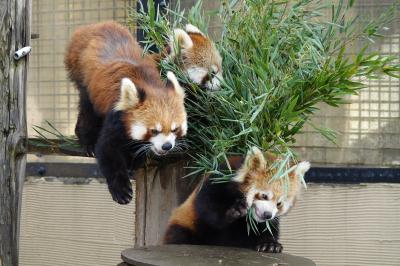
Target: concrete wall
[79,224]
[73,224]
[339,225]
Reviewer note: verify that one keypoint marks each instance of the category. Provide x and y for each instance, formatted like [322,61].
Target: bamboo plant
[280,59]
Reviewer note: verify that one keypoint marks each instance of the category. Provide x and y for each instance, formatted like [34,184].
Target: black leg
[88,125]
[110,154]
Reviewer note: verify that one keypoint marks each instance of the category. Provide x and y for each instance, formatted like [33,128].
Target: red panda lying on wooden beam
[215,213]
[125,109]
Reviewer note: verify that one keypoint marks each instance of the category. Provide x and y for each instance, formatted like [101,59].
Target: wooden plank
[158,191]
[14,34]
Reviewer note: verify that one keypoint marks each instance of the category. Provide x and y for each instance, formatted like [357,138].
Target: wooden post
[158,191]
[14,34]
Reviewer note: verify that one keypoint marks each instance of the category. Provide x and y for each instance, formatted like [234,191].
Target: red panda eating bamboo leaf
[217,213]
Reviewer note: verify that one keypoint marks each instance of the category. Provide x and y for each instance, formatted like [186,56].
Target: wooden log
[14,34]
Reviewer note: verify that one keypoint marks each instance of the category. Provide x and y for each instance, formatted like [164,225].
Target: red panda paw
[89,149]
[238,210]
[121,190]
[271,247]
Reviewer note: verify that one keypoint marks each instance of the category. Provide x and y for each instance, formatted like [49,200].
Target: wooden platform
[173,255]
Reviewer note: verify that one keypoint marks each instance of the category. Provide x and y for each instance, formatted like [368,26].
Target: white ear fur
[178,89]
[128,97]
[182,38]
[255,159]
[302,168]
[192,29]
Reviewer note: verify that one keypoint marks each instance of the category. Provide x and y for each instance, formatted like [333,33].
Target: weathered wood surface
[14,34]
[158,191]
[172,255]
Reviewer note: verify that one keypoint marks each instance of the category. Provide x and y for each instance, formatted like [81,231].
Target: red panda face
[269,198]
[199,56]
[159,119]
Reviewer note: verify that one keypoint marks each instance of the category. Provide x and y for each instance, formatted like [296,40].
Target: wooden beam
[14,35]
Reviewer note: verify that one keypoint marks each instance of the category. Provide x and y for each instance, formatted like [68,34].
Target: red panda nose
[166,146]
[267,215]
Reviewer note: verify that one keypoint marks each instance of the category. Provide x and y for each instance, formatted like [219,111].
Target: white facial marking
[215,82]
[159,127]
[138,131]
[197,74]
[214,68]
[262,206]
[250,195]
[161,139]
[173,126]
[184,128]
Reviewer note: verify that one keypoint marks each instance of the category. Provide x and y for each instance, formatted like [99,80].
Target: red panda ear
[255,159]
[177,87]
[180,40]
[128,96]
[254,162]
[301,169]
[193,29]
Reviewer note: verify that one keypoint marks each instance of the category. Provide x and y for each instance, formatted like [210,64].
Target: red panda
[198,56]
[125,108]
[215,213]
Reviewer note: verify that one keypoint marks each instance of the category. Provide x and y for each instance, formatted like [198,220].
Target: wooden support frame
[14,35]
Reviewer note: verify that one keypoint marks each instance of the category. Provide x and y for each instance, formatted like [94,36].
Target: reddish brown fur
[258,174]
[98,61]
[185,215]
[100,65]
[202,54]
[155,108]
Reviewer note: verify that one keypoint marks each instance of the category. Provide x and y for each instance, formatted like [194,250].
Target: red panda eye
[174,130]
[155,132]
[265,197]
[279,204]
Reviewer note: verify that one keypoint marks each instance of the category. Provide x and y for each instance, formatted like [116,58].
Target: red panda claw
[121,191]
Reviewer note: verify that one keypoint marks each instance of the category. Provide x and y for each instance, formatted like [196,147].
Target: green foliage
[52,138]
[280,59]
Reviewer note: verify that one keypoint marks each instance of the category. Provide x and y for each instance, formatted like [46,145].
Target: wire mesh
[369,126]
[51,96]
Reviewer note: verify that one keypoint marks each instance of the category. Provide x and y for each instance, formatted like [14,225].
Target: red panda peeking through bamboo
[215,212]
[125,109]
[197,56]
